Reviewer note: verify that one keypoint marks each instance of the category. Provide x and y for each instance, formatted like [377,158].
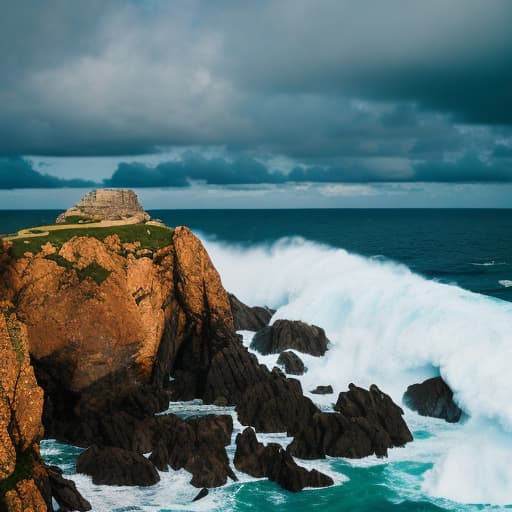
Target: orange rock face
[21,405]
[96,312]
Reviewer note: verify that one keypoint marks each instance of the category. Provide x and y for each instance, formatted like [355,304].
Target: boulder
[366,423]
[196,444]
[288,334]
[292,363]
[248,318]
[273,462]
[114,466]
[275,404]
[323,390]
[433,398]
[65,492]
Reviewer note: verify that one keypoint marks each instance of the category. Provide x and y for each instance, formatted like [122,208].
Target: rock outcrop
[197,445]
[105,204]
[291,363]
[323,390]
[434,398]
[26,483]
[367,423]
[114,466]
[288,334]
[248,318]
[273,462]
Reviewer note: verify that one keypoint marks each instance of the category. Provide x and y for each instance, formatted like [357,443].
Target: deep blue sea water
[393,289]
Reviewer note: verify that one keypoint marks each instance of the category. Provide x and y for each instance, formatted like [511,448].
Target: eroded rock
[367,423]
[433,398]
[114,466]
[248,318]
[273,462]
[291,363]
[288,334]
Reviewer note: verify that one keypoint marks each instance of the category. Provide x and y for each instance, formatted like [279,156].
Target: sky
[267,104]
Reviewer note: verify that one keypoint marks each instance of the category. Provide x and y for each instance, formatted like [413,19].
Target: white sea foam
[391,327]
[506,283]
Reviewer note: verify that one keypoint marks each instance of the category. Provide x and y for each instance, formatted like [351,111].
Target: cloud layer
[345,91]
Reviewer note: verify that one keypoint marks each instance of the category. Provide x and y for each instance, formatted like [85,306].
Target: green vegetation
[95,272]
[23,471]
[150,237]
[78,219]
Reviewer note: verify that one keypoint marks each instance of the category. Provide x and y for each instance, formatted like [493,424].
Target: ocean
[403,295]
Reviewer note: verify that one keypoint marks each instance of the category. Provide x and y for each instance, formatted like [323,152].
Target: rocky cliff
[115,330]
[26,483]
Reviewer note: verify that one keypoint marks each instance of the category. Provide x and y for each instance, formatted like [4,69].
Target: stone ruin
[106,204]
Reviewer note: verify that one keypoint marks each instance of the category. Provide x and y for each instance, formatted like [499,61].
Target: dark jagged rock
[434,398]
[288,334]
[323,390]
[65,492]
[196,444]
[292,363]
[367,422]
[275,404]
[201,494]
[114,466]
[273,462]
[248,318]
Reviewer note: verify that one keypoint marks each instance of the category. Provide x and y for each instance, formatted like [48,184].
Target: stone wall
[107,204]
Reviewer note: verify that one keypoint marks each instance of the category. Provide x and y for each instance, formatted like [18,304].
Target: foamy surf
[392,327]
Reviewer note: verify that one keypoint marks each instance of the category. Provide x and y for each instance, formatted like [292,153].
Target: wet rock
[323,390]
[275,404]
[273,462]
[114,466]
[433,398]
[201,494]
[288,334]
[291,362]
[367,423]
[65,492]
[196,444]
[248,318]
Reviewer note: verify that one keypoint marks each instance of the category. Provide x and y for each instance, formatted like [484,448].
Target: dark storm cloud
[348,91]
[248,171]
[123,77]
[17,172]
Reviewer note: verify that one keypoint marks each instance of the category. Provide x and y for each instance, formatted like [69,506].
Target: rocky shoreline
[110,353]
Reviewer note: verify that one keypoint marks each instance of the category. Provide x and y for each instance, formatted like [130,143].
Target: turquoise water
[403,295]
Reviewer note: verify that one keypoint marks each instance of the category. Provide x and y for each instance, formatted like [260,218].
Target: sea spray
[392,327]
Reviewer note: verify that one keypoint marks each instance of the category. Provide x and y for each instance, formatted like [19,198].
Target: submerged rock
[366,423]
[291,362]
[288,334]
[323,390]
[434,398]
[114,466]
[273,462]
[248,318]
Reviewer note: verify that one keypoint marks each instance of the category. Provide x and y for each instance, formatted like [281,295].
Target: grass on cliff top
[150,237]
